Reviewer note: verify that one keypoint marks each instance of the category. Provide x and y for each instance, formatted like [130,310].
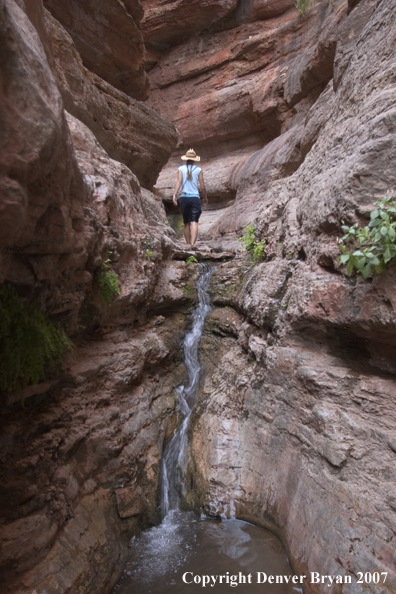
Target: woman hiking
[188,177]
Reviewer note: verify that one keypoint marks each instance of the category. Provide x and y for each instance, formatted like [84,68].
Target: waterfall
[183,542]
[174,460]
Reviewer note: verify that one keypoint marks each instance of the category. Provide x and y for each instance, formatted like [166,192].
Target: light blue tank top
[190,187]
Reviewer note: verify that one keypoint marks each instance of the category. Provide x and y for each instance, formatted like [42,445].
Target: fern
[29,342]
[108,283]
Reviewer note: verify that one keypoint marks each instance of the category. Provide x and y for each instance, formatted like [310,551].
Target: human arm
[178,186]
[203,188]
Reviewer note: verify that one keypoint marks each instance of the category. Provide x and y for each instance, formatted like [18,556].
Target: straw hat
[191,155]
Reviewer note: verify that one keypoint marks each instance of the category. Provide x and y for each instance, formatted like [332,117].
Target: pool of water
[187,546]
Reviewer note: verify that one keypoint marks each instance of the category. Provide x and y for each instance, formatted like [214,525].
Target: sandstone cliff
[79,464]
[294,119]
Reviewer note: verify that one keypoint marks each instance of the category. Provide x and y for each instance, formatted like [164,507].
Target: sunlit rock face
[240,83]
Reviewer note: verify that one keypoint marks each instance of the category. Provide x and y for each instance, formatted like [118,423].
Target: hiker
[190,204]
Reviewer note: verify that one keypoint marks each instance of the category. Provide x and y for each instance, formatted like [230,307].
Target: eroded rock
[108,39]
[128,130]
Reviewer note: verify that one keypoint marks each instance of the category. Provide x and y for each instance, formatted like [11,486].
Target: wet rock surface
[294,428]
[295,425]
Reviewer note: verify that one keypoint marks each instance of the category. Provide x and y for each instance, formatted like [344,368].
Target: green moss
[188,290]
[29,342]
[303,6]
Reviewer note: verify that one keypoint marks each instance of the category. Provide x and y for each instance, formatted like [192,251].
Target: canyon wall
[80,451]
[294,120]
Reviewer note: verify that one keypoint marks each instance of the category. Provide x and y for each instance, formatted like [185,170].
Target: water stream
[174,459]
[185,551]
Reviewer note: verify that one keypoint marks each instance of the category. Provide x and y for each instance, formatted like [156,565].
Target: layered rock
[79,463]
[64,210]
[108,38]
[129,131]
[88,454]
[40,178]
[295,426]
[232,89]
[166,23]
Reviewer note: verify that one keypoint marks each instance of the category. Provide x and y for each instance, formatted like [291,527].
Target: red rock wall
[80,462]
[294,120]
[108,38]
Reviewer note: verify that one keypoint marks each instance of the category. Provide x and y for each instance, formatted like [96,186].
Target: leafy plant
[191,260]
[108,283]
[253,247]
[303,5]
[149,255]
[29,342]
[374,246]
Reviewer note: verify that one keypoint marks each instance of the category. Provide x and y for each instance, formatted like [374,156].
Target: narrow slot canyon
[171,411]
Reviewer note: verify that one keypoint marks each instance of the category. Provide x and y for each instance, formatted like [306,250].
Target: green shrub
[374,246]
[29,342]
[149,255]
[109,286]
[191,260]
[303,5]
[253,247]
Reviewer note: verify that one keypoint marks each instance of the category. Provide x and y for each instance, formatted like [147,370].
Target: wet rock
[99,431]
[130,502]
[291,444]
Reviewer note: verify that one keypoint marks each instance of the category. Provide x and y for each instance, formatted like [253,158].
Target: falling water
[174,460]
[183,542]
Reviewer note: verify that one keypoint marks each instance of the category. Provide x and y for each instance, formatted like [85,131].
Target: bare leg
[193,232]
[186,231]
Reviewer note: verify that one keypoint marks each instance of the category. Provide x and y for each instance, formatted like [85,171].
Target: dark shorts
[191,209]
